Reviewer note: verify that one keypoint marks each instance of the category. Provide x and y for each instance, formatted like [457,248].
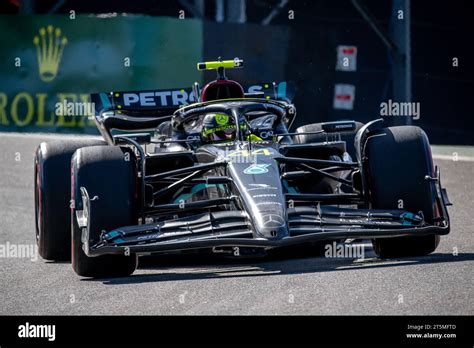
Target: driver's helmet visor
[226,132]
[219,127]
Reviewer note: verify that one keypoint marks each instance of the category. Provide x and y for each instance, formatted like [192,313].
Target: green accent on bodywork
[253,137]
[410,219]
[288,188]
[196,189]
[256,169]
[114,234]
[105,101]
[281,92]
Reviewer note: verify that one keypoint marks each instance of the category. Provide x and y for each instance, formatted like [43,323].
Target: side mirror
[338,126]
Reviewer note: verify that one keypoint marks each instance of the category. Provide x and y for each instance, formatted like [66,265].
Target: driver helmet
[218,127]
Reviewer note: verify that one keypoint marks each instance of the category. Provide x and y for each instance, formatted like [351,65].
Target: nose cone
[272,226]
[259,184]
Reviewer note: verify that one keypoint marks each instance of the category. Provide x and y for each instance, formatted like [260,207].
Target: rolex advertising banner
[50,65]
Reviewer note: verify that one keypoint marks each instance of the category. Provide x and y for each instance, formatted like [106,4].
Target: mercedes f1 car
[217,169]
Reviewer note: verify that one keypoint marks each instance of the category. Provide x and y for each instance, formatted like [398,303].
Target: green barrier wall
[49,59]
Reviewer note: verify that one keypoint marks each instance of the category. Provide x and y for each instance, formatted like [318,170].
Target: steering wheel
[231,108]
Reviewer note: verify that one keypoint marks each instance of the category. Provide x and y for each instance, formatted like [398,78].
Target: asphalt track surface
[439,284]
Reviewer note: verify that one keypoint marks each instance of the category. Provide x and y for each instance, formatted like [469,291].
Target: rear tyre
[110,173]
[52,186]
[399,158]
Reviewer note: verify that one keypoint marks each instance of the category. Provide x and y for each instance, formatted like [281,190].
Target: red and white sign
[346,58]
[344,96]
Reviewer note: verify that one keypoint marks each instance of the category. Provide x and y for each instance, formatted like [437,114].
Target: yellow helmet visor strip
[208,131]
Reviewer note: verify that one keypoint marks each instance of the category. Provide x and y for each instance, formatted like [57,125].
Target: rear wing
[166,101]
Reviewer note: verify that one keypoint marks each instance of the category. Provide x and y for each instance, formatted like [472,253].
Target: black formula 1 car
[164,189]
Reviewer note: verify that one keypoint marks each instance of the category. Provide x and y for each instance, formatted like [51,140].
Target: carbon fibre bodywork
[264,194]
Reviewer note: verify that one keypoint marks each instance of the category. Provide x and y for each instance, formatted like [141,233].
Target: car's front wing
[306,224]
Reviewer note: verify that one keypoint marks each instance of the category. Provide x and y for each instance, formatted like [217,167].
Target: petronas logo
[49,49]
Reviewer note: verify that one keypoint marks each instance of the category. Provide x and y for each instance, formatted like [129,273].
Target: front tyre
[398,159]
[110,173]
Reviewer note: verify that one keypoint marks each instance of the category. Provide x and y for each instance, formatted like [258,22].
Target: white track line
[451,158]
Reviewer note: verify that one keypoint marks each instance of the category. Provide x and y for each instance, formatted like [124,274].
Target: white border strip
[451,158]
